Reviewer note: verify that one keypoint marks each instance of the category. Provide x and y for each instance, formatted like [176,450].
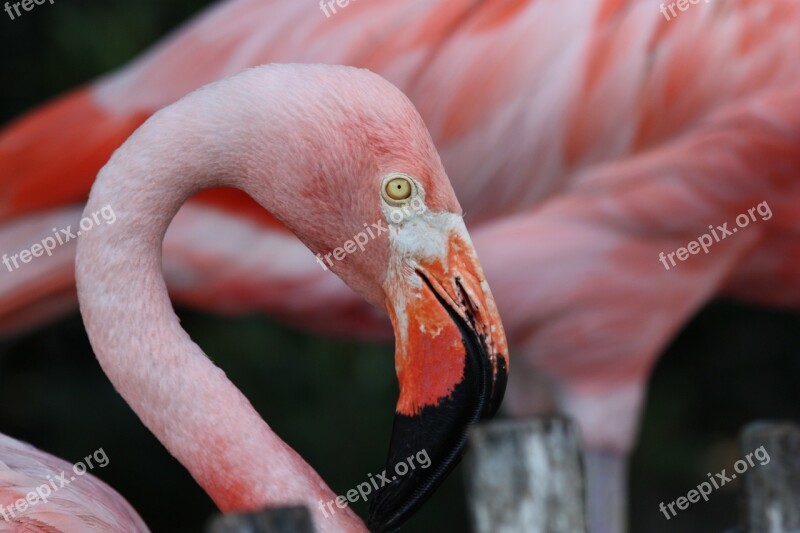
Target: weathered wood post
[526,476]
[277,520]
[771,496]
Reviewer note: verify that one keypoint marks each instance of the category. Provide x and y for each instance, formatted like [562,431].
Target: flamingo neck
[179,394]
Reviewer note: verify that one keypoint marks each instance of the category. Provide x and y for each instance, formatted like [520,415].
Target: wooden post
[771,500]
[526,476]
[277,520]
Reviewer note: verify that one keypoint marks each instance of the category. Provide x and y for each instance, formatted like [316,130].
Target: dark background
[333,400]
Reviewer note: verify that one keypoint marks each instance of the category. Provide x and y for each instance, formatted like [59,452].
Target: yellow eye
[398,188]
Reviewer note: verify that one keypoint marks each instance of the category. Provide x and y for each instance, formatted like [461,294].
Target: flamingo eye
[397,188]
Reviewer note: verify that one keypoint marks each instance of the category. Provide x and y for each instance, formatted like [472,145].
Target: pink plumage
[582,139]
[83,505]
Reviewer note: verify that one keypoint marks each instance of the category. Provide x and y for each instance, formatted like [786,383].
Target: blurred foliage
[333,400]
[732,364]
[56,47]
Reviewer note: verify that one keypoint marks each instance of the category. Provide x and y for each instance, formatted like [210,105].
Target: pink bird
[41,493]
[582,138]
[327,150]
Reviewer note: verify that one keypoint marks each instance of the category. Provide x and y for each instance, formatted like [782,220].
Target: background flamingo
[86,504]
[645,120]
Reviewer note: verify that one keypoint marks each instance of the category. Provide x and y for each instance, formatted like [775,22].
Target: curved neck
[179,394]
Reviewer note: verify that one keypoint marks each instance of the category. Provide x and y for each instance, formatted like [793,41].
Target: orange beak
[451,359]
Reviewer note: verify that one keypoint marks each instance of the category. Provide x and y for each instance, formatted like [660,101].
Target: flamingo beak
[451,360]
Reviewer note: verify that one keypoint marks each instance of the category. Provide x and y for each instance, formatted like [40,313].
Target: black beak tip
[418,462]
[437,433]
[433,440]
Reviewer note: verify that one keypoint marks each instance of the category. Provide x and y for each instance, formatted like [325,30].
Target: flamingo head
[451,356]
[376,207]
[410,254]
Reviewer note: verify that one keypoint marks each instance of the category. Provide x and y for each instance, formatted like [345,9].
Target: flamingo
[582,138]
[39,493]
[326,150]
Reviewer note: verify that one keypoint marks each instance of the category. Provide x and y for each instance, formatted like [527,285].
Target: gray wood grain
[526,476]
